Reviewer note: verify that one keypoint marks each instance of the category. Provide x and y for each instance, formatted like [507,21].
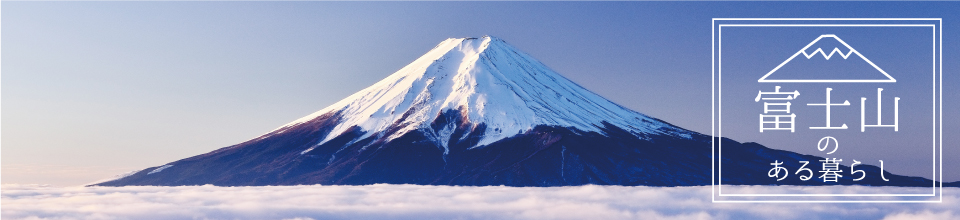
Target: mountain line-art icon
[835,69]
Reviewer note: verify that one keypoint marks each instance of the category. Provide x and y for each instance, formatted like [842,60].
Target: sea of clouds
[385,201]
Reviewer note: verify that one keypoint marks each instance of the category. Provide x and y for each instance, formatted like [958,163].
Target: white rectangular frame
[715,133]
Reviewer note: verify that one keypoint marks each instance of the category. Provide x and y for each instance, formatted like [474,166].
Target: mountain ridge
[478,112]
[461,74]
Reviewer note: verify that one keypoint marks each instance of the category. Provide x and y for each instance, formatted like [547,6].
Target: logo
[822,44]
[850,101]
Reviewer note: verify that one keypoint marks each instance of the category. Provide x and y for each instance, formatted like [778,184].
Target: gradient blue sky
[92,89]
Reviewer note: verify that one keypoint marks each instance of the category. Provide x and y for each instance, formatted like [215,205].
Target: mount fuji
[478,111]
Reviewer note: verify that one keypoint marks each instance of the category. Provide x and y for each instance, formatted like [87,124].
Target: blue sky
[92,89]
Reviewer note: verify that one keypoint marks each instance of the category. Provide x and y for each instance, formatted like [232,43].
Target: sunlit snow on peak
[490,81]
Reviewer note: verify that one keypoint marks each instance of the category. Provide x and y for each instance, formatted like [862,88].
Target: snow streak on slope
[488,82]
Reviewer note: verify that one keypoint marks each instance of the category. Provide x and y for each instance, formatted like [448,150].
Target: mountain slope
[474,111]
[492,83]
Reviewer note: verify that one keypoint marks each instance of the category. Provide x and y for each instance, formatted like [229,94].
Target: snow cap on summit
[490,82]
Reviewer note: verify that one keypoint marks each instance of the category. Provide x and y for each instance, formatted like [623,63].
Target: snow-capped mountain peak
[488,81]
[477,112]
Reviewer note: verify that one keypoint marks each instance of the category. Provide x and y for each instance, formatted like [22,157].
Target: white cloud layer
[430,202]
